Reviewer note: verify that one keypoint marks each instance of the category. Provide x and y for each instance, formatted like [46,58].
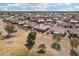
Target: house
[32,24]
[55,18]
[21,22]
[8,19]
[64,24]
[58,30]
[49,20]
[14,21]
[33,20]
[50,24]
[42,28]
[21,18]
[73,21]
[27,22]
[73,32]
[40,20]
[59,21]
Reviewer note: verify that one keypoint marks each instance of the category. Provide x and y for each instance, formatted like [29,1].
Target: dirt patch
[16,45]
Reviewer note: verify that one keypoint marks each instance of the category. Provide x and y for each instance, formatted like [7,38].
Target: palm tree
[41,48]
[31,39]
[10,29]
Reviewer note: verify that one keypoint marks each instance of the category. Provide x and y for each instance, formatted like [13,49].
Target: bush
[10,29]
[41,48]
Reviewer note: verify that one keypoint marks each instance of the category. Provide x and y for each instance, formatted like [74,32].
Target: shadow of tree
[56,46]
[30,45]
[73,53]
[7,37]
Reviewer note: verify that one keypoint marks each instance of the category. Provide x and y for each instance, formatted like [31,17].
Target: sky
[39,6]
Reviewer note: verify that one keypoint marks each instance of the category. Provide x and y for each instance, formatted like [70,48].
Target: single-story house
[59,21]
[58,30]
[40,20]
[50,24]
[73,21]
[34,20]
[14,21]
[21,18]
[64,24]
[49,20]
[21,22]
[29,25]
[32,24]
[73,32]
[42,28]
[55,18]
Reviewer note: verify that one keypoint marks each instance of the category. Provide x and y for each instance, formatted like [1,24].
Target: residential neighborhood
[45,21]
[59,28]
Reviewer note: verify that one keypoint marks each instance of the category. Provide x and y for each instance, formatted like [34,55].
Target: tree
[4,20]
[31,39]
[57,39]
[74,44]
[10,29]
[41,48]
